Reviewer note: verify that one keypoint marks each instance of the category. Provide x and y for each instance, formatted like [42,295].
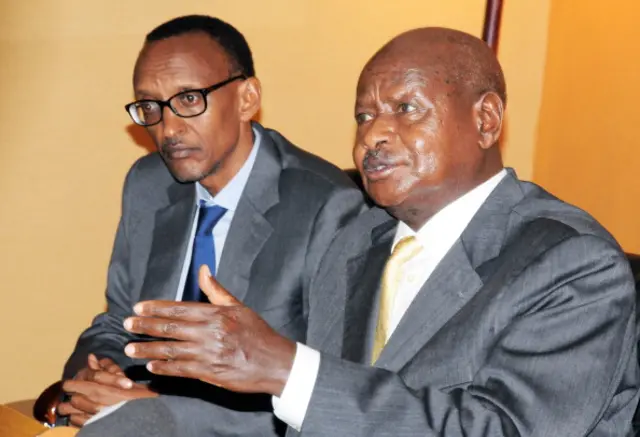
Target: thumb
[215,292]
[93,362]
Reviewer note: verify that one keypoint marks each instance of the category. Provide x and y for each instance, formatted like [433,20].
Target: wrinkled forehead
[390,74]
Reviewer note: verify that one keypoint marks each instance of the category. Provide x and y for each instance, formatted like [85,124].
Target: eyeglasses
[186,104]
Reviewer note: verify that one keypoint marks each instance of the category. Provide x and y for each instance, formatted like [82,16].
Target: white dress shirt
[436,237]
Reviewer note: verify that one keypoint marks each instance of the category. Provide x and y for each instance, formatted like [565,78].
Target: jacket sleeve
[566,367]
[106,337]
[341,207]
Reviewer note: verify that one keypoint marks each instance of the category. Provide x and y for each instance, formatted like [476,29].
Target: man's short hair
[229,38]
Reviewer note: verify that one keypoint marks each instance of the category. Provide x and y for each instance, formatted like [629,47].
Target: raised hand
[223,342]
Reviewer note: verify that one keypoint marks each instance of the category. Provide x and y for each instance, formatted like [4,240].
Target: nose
[172,125]
[378,132]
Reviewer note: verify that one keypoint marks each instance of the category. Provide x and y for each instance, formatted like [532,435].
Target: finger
[102,377]
[163,350]
[66,409]
[113,380]
[73,386]
[185,369]
[215,292]
[93,363]
[164,328]
[184,311]
[84,404]
[83,375]
[108,365]
[79,419]
[114,369]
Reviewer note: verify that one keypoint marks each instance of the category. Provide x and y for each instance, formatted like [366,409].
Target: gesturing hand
[223,343]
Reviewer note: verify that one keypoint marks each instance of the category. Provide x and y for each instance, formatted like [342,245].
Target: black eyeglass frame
[166,103]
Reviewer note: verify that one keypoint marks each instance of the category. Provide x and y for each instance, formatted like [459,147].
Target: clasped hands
[100,384]
[223,343]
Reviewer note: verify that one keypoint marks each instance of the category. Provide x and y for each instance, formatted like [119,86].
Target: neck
[229,165]
[415,218]
[419,209]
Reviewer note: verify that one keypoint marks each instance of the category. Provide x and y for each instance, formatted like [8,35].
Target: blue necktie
[204,251]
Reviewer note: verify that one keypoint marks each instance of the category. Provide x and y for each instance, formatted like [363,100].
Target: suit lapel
[250,229]
[348,300]
[248,232]
[364,273]
[171,233]
[448,289]
[455,280]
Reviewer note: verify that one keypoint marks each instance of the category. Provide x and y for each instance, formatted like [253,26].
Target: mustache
[377,158]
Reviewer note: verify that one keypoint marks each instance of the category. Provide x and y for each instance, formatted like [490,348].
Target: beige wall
[65,74]
[522,52]
[588,141]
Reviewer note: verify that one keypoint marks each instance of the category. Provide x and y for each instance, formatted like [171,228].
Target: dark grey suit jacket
[291,208]
[506,338]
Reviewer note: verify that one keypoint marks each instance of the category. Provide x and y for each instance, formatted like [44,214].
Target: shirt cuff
[105,411]
[291,406]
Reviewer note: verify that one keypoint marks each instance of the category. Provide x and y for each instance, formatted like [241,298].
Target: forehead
[392,74]
[191,58]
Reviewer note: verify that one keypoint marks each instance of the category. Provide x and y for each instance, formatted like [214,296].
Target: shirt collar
[448,224]
[230,194]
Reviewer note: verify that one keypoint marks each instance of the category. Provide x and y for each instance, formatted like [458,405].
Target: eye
[406,107]
[147,107]
[190,99]
[363,117]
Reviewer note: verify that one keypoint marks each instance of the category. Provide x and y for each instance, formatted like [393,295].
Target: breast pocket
[442,365]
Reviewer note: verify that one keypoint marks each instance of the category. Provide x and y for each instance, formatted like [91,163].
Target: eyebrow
[143,94]
[405,81]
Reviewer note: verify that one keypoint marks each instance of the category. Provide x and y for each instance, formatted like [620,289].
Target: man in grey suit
[221,191]
[469,303]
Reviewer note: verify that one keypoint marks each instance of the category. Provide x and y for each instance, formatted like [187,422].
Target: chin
[186,179]
[186,173]
[385,197]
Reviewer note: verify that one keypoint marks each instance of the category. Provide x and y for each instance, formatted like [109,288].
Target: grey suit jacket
[496,343]
[291,208]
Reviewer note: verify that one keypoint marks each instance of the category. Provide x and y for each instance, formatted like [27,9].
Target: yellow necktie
[405,249]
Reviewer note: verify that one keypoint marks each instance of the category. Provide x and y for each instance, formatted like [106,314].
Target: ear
[250,92]
[488,113]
